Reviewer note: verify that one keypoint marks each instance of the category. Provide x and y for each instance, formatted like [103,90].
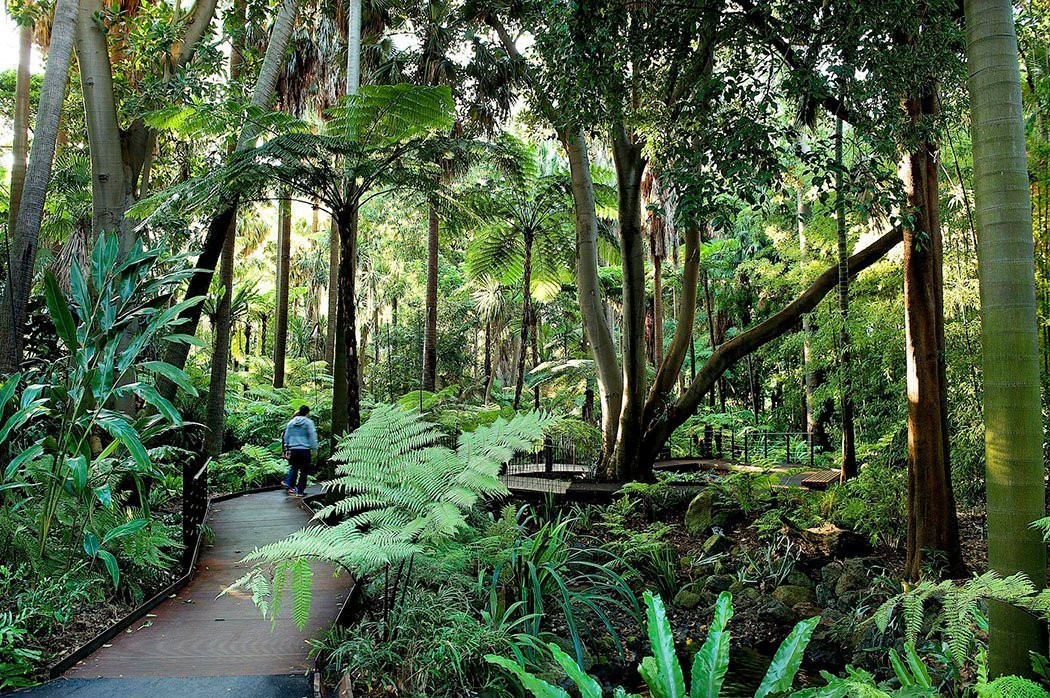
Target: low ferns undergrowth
[402,492]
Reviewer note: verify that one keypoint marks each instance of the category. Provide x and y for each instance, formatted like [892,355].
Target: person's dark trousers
[299,460]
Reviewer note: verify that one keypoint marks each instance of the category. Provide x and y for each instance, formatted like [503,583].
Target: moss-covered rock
[698,515]
[792,594]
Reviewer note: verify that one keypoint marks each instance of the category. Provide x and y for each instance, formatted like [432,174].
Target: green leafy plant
[403,492]
[662,671]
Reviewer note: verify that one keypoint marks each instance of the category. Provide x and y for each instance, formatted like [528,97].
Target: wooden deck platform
[564,480]
[198,633]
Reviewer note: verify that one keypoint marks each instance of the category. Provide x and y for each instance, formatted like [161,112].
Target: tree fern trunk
[430,319]
[526,318]
[280,324]
[333,294]
[1012,404]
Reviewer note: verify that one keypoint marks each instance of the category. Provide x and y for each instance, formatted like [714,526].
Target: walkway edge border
[70,660]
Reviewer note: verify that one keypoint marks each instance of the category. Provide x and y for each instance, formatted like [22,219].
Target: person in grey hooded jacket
[299,443]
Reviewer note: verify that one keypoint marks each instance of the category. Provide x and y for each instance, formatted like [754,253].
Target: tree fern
[960,607]
[402,492]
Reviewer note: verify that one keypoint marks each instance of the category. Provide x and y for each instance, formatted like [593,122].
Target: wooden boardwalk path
[194,633]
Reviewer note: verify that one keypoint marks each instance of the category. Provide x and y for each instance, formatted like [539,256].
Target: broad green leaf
[178,338]
[712,661]
[111,565]
[786,661]
[78,470]
[7,390]
[119,428]
[534,685]
[19,418]
[104,496]
[125,529]
[30,453]
[60,315]
[175,375]
[589,688]
[662,672]
[91,544]
[79,289]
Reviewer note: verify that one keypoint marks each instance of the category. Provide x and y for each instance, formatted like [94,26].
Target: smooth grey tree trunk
[1009,335]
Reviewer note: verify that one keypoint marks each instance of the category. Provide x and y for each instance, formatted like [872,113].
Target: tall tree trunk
[280,323]
[34,192]
[526,317]
[430,318]
[816,414]
[658,311]
[333,294]
[20,137]
[849,449]
[346,405]
[108,178]
[592,309]
[1012,404]
[630,166]
[932,522]
[272,66]
[215,415]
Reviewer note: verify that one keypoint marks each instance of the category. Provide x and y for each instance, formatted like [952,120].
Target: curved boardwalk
[196,634]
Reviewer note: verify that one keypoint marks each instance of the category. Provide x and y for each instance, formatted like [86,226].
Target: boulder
[717,544]
[719,582]
[793,595]
[700,512]
[801,579]
[854,577]
[687,598]
[831,541]
[775,611]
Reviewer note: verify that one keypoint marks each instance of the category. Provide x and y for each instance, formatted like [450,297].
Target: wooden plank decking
[194,633]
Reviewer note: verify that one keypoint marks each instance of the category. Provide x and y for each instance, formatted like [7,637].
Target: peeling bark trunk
[932,521]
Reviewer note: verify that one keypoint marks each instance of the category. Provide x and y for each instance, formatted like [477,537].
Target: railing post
[765,445]
[787,446]
[548,455]
[809,441]
[747,455]
[732,445]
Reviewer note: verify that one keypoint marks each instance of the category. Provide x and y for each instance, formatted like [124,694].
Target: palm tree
[1009,336]
[21,266]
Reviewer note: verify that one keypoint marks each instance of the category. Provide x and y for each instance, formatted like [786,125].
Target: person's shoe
[294,492]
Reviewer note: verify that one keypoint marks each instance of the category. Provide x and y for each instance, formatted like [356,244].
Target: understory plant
[662,672]
[402,493]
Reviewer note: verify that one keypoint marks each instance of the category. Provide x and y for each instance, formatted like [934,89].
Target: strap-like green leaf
[781,672]
[534,685]
[175,375]
[589,688]
[124,529]
[111,565]
[29,454]
[712,661]
[60,315]
[662,672]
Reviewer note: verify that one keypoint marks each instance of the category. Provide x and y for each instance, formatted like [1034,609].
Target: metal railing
[791,448]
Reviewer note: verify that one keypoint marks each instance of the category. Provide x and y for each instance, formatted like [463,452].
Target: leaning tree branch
[779,324]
